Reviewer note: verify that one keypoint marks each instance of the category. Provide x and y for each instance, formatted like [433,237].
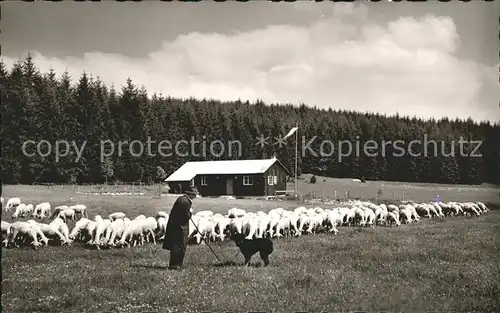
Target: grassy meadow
[449,264]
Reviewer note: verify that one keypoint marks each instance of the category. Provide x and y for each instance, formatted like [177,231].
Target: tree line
[40,106]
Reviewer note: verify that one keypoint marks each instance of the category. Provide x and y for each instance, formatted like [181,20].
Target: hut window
[204,181]
[270,180]
[247,180]
[191,183]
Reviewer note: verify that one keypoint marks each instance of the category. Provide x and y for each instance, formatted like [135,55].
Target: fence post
[335,192]
[393,195]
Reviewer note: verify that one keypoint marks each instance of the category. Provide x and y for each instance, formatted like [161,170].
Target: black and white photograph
[250,156]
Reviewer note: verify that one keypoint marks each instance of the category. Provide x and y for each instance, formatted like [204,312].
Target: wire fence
[345,194]
[114,189]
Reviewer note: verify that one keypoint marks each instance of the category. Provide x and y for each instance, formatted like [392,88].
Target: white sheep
[369,216]
[205,213]
[110,229]
[114,216]
[423,209]
[5,232]
[315,222]
[393,217]
[57,210]
[263,224]
[49,231]
[41,210]
[89,231]
[293,218]
[161,227]
[333,219]
[79,226]
[148,229]
[235,212]
[132,234]
[61,226]
[162,214]
[80,209]
[405,215]
[118,230]
[99,232]
[203,229]
[67,214]
[357,212]
[19,211]
[25,230]
[28,210]
[483,206]
[250,225]
[12,203]
[221,225]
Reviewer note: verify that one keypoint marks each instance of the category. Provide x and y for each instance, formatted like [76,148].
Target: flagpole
[296,163]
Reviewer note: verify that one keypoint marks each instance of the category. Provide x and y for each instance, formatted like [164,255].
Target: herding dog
[249,247]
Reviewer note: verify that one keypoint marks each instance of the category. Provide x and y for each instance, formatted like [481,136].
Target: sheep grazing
[50,231]
[221,229]
[67,214]
[114,216]
[61,226]
[369,216]
[118,231]
[20,211]
[99,232]
[161,214]
[161,227]
[12,203]
[333,220]
[26,231]
[57,210]
[5,233]
[79,209]
[235,212]
[132,234]
[206,213]
[41,210]
[148,229]
[77,231]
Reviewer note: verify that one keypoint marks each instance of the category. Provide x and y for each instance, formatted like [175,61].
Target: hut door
[229,186]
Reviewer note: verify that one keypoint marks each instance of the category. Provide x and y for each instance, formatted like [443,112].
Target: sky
[419,59]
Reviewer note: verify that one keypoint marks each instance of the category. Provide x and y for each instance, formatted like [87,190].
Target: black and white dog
[249,247]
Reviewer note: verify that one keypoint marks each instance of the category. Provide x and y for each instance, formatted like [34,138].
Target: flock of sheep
[117,230]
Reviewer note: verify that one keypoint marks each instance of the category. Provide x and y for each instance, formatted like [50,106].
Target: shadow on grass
[239,264]
[150,266]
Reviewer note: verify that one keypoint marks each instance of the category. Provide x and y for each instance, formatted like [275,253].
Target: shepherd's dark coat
[176,234]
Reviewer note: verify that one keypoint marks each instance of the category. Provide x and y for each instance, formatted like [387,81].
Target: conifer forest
[54,106]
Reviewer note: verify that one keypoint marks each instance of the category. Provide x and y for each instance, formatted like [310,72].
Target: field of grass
[336,188]
[438,265]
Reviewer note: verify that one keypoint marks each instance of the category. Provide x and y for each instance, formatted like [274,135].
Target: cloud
[406,66]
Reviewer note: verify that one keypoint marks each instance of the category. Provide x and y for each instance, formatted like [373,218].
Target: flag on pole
[293,130]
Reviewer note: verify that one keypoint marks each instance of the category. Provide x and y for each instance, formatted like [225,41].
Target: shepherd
[177,232]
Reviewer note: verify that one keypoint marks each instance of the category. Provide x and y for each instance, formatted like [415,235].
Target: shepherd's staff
[213,252]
